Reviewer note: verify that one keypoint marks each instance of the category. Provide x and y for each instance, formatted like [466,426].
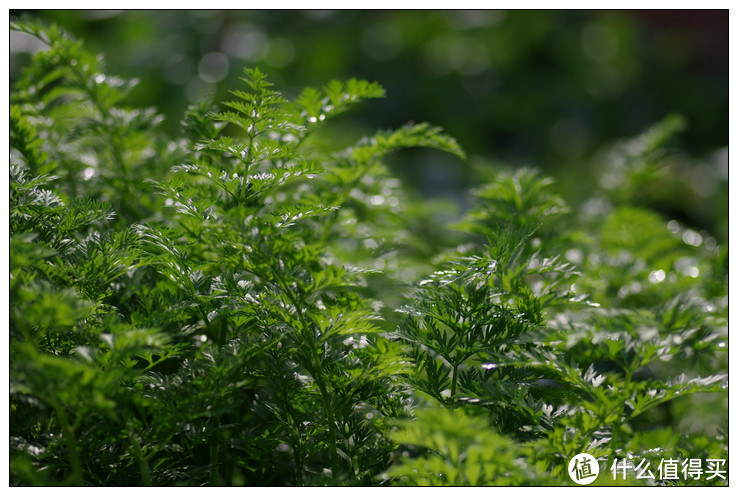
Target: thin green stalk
[317,375]
[331,423]
[297,455]
[77,478]
[214,459]
[227,464]
[454,380]
[143,465]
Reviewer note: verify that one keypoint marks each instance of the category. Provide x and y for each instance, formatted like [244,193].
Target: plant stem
[227,465]
[215,457]
[138,454]
[308,340]
[331,423]
[71,442]
[454,379]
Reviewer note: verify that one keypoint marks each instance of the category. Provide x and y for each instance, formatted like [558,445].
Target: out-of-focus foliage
[545,88]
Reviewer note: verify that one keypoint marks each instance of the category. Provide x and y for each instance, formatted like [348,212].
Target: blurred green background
[549,89]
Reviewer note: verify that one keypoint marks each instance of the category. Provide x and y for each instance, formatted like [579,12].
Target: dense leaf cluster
[238,306]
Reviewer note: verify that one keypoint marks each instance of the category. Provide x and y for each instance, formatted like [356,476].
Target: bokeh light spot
[213,67]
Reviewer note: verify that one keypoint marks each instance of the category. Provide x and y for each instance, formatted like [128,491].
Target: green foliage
[249,316]
[459,450]
[69,117]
